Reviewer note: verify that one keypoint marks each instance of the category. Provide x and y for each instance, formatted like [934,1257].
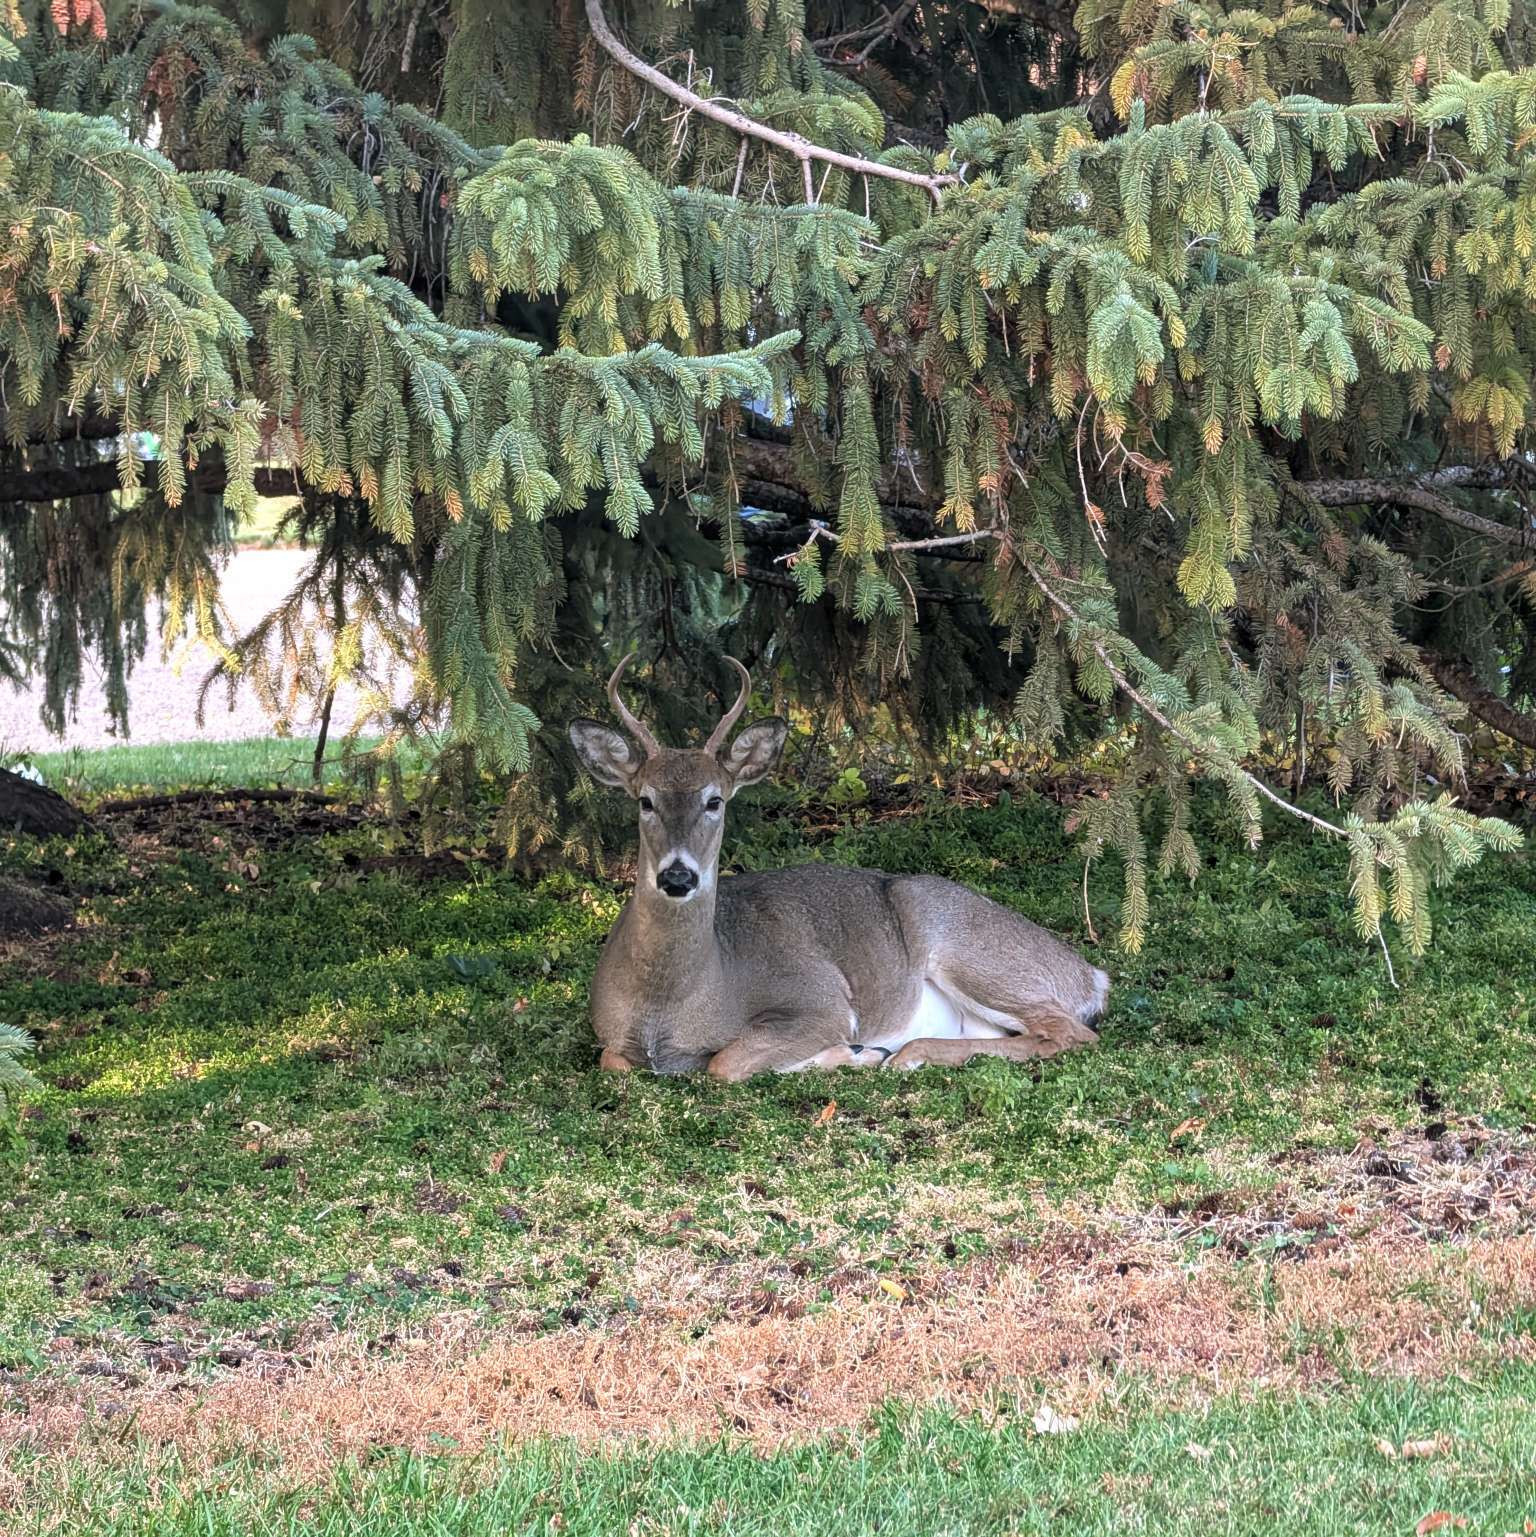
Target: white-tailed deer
[811,967]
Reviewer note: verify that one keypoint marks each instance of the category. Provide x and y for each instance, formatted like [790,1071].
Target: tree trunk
[1457,679]
[27,807]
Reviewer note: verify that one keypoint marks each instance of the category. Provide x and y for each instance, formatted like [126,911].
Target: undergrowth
[298,1081]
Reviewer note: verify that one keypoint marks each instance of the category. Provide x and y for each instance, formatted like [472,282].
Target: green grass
[294,1064]
[262,528]
[252,762]
[1274,1464]
[299,1062]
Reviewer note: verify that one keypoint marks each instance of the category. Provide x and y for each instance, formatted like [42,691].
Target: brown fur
[808,967]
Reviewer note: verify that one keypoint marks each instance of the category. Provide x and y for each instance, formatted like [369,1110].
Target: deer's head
[682,791]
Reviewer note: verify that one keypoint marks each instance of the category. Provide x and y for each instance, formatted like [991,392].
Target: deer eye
[646,803]
[714,803]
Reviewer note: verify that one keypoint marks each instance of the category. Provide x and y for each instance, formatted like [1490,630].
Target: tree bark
[32,808]
[1457,679]
[1420,494]
[59,483]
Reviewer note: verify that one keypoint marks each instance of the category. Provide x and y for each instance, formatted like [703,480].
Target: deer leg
[1044,1032]
[791,1049]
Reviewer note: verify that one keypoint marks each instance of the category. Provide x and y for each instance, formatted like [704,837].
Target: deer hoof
[728,1068]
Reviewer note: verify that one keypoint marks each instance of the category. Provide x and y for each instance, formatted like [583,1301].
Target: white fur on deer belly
[947,1014]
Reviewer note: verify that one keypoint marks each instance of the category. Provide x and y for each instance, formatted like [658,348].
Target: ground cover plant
[320,1149]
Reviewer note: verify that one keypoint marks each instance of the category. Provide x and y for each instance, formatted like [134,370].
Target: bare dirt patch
[26,911]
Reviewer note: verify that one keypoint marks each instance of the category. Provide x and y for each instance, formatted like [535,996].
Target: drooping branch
[791,143]
[1457,679]
[1129,689]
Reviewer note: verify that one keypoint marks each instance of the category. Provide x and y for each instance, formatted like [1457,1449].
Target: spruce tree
[1157,374]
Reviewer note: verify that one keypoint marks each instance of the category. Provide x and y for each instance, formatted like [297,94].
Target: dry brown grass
[1089,1318]
[1093,1307]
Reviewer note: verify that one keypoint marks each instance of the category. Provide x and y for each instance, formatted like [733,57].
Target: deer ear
[755,752]
[610,758]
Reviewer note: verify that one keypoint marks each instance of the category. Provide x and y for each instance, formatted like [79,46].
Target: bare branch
[791,143]
[1457,679]
[820,530]
[408,52]
[947,541]
[1420,493]
[877,32]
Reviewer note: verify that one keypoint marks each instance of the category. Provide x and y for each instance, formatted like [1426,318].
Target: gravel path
[163,693]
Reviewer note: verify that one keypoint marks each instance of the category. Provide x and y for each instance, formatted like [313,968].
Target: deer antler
[635,727]
[718,735]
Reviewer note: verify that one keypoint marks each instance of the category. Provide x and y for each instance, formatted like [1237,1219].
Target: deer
[816,966]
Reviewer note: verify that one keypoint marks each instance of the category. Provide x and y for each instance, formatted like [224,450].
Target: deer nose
[677,880]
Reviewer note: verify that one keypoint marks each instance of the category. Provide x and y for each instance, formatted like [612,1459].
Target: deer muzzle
[677,879]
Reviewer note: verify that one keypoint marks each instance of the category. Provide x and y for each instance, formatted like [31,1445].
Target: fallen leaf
[1198,1452]
[894,1289]
[1187,1128]
[1435,1520]
[498,1161]
[247,1291]
[828,1111]
[1049,1423]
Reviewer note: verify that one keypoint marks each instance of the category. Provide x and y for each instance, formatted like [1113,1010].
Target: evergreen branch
[15,1079]
[755,576]
[791,143]
[1199,748]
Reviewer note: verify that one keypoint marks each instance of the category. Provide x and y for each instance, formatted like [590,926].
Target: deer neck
[682,932]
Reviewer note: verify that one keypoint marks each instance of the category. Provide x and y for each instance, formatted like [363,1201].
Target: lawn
[323,1220]
[252,763]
